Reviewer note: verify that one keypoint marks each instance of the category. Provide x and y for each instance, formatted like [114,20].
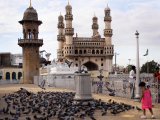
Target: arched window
[7,76]
[34,33]
[19,75]
[101,51]
[97,52]
[80,52]
[76,51]
[13,76]
[84,51]
[93,51]
[29,33]
[76,65]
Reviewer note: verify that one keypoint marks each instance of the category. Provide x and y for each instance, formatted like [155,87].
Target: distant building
[10,66]
[8,60]
[95,52]
[16,59]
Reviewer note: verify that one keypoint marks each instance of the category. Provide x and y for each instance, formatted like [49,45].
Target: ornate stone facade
[96,53]
[30,44]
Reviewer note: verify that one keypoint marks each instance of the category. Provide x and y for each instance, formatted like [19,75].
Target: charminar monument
[94,52]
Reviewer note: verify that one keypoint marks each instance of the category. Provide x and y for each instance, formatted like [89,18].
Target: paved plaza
[131,114]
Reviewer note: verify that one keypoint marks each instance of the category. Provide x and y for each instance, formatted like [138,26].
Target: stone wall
[60,81]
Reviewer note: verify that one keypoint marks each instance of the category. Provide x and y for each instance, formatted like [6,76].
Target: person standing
[132,81]
[147,84]
[145,100]
[99,87]
[156,74]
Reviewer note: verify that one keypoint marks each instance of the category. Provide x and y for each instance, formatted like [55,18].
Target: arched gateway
[91,66]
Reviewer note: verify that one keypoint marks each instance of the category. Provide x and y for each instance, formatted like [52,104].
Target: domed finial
[94,14]
[107,4]
[60,13]
[30,4]
[68,2]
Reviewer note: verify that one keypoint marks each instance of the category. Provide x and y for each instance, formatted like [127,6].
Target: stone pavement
[131,114]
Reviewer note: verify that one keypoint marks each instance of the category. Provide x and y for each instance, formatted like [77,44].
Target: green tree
[129,67]
[152,66]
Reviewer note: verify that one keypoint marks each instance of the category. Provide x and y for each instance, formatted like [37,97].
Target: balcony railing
[37,41]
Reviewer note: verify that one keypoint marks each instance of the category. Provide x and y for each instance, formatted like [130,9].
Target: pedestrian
[99,87]
[145,100]
[156,75]
[147,84]
[132,81]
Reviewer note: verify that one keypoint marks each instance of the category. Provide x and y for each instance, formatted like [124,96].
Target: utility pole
[129,65]
[115,61]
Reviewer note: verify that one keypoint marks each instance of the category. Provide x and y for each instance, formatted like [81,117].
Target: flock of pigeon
[55,105]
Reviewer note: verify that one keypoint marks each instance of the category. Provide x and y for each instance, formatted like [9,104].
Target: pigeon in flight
[22,90]
[68,63]
[42,84]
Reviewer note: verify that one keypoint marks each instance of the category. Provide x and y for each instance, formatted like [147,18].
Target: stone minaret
[95,25]
[69,49]
[60,37]
[69,31]
[108,41]
[30,44]
[108,31]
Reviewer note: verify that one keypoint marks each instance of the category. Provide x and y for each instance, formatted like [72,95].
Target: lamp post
[129,65]
[48,55]
[137,92]
[115,61]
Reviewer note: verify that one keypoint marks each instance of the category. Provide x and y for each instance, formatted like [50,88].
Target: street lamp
[48,55]
[129,65]
[137,93]
[115,61]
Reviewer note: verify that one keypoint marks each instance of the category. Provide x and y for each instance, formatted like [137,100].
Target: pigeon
[12,113]
[112,94]
[110,90]
[22,90]
[42,84]
[139,109]
[28,118]
[1,110]
[68,63]
[104,113]
[109,100]
[27,112]
[92,118]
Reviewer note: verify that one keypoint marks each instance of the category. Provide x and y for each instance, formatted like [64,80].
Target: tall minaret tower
[69,31]
[69,49]
[108,41]
[30,44]
[108,31]
[95,25]
[60,37]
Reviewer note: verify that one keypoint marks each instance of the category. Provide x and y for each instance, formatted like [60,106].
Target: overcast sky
[127,17]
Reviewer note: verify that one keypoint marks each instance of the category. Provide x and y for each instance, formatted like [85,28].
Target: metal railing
[123,88]
[10,82]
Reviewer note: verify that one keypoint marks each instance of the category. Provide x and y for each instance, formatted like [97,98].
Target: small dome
[107,8]
[30,14]
[60,17]
[68,6]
